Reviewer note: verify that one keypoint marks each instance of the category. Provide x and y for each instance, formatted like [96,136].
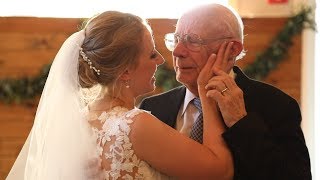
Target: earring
[127,83]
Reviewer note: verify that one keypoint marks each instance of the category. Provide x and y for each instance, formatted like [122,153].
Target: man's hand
[222,88]
[229,97]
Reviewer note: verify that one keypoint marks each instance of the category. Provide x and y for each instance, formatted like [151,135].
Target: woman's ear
[125,75]
[236,48]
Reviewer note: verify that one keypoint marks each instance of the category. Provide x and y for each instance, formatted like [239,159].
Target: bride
[87,112]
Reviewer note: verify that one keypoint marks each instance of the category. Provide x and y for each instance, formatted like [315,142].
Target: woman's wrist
[202,90]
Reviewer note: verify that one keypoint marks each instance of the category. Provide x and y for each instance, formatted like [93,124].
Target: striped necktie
[197,127]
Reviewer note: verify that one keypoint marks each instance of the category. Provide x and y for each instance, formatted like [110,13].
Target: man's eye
[192,40]
[176,39]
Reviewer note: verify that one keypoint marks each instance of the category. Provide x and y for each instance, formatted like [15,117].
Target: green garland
[166,77]
[18,90]
[278,48]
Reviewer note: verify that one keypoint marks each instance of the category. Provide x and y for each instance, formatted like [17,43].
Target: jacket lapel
[241,79]
[174,105]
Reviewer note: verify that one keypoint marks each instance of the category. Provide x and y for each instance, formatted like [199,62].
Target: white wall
[262,8]
[88,8]
[310,98]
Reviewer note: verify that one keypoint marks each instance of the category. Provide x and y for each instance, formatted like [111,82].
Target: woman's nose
[160,59]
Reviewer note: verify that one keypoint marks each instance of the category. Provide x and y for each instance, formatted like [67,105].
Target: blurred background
[32,31]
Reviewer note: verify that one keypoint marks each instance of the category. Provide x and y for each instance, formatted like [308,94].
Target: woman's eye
[154,55]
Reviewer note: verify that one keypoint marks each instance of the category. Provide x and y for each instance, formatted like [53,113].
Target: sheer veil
[59,145]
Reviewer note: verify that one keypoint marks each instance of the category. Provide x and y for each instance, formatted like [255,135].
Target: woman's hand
[221,60]
[206,73]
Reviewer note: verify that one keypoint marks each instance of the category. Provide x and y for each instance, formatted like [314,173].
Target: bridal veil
[59,145]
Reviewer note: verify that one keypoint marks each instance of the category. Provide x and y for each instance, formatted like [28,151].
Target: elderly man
[262,123]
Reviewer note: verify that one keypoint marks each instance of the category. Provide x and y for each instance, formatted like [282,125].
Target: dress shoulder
[134,112]
[116,150]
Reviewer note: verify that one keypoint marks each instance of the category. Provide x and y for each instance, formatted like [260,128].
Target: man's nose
[180,50]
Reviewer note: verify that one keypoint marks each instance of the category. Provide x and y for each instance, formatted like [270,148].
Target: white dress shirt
[187,114]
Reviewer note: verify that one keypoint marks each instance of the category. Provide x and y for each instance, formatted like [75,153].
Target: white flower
[114,136]
[128,166]
[124,126]
[103,117]
[112,127]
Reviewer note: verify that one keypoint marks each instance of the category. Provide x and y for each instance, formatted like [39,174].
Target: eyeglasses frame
[184,39]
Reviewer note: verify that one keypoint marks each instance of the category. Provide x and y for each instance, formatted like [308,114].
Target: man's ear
[236,48]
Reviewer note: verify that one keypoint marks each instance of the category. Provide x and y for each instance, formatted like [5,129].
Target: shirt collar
[189,97]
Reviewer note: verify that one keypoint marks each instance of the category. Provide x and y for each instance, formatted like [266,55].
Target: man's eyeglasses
[191,41]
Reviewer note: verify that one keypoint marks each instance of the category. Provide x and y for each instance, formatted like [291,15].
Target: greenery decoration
[166,77]
[278,48]
[18,90]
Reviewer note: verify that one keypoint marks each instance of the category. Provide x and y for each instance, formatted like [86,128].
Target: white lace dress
[115,148]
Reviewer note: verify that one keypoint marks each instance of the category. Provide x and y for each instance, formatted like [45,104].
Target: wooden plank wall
[28,43]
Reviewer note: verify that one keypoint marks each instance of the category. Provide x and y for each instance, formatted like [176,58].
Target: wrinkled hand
[221,87]
[229,97]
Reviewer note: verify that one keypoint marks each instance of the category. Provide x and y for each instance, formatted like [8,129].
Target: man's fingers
[215,94]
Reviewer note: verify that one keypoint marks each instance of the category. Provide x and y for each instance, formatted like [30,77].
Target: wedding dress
[60,145]
[115,147]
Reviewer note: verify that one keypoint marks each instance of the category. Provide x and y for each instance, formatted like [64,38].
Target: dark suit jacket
[267,144]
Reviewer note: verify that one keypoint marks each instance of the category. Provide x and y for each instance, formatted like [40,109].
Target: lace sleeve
[114,146]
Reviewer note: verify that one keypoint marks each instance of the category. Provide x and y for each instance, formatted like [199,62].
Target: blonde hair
[112,43]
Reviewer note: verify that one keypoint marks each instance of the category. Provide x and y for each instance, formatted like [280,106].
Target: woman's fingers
[206,72]
[227,55]
[223,55]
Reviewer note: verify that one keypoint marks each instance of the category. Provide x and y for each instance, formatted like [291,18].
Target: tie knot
[197,103]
